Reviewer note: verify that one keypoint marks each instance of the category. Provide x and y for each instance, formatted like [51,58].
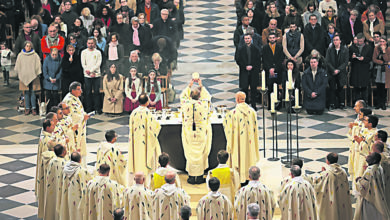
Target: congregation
[126,49]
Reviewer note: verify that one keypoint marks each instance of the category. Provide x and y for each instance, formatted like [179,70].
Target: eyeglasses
[52,31]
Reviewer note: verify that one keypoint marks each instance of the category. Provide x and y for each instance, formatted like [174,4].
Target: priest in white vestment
[137,199]
[169,199]
[255,192]
[214,205]
[186,93]
[241,131]
[68,127]
[332,191]
[379,147]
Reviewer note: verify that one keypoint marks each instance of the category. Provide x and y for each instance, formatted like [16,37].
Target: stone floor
[207,49]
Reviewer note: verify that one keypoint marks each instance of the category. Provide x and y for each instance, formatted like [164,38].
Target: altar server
[144,147]
[157,179]
[242,140]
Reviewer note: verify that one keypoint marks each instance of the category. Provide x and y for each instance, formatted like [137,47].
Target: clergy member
[79,118]
[298,162]
[196,135]
[254,192]
[242,140]
[169,199]
[228,177]
[365,140]
[45,154]
[253,211]
[144,147]
[102,196]
[379,147]
[214,205]
[371,201]
[186,93]
[297,199]
[54,182]
[75,179]
[68,127]
[137,199]
[108,153]
[332,191]
[157,179]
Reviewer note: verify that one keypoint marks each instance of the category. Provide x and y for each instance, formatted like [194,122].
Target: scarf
[52,40]
[135,36]
[113,51]
[331,36]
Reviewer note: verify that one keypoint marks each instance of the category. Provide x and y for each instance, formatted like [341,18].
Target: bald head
[139,177]
[195,93]
[170,177]
[240,97]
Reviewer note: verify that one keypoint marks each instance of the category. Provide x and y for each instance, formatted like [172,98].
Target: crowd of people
[336,44]
[118,48]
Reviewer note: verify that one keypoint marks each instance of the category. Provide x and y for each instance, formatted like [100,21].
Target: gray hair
[254,173]
[164,10]
[170,180]
[253,210]
[134,19]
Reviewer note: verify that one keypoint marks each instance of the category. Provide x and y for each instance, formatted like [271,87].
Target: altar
[170,141]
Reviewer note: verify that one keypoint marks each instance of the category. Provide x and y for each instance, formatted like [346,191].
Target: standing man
[144,147]
[314,36]
[372,25]
[186,93]
[68,127]
[293,44]
[79,119]
[150,9]
[273,58]
[272,28]
[165,26]
[314,83]
[371,201]
[91,60]
[240,126]
[337,57]
[69,15]
[297,199]
[253,211]
[360,56]
[29,35]
[255,193]
[196,136]
[214,205]
[332,191]
[52,40]
[241,30]
[248,58]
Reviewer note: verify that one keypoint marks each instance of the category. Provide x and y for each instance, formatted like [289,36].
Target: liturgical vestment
[242,139]
[371,201]
[77,115]
[352,132]
[75,179]
[255,192]
[196,135]
[44,140]
[67,126]
[385,163]
[186,95]
[157,179]
[228,178]
[108,153]
[297,200]
[144,147]
[168,201]
[363,150]
[332,194]
[216,206]
[41,180]
[137,202]
[52,187]
[102,197]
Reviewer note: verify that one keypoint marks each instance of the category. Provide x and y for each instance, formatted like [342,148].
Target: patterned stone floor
[208,49]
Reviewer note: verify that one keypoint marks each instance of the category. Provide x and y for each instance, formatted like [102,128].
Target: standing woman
[87,18]
[114,51]
[71,69]
[381,58]
[100,40]
[28,68]
[296,77]
[133,89]
[153,90]
[113,91]
[52,77]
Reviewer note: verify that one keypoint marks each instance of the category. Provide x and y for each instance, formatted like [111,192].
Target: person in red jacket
[52,40]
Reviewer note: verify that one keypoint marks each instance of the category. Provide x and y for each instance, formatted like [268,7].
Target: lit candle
[263,80]
[276,91]
[287,97]
[296,97]
[272,102]
[289,75]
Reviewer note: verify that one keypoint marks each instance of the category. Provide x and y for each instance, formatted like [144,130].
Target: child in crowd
[133,89]
[153,89]
[6,55]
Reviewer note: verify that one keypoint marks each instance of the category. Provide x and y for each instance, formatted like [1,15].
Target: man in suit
[273,57]
[248,58]
[314,36]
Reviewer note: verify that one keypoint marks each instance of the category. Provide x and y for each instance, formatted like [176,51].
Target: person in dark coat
[69,16]
[165,27]
[71,69]
[273,58]
[293,17]
[239,32]
[337,57]
[25,35]
[136,40]
[314,36]
[296,78]
[314,83]
[360,56]
[51,82]
[150,9]
[248,58]
[344,26]
[123,30]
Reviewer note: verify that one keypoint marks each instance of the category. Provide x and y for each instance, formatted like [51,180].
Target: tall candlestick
[263,80]
[287,97]
[296,97]
[276,91]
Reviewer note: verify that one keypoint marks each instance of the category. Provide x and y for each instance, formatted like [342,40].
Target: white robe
[214,205]
[137,202]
